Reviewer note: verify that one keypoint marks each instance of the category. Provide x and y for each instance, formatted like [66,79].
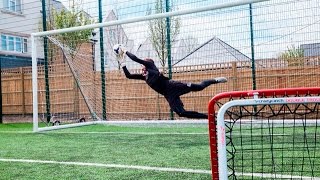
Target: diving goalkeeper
[170,89]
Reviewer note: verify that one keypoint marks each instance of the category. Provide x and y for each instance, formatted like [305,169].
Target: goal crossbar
[150,17]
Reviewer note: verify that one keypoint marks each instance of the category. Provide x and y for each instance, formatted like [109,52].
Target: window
[14,43]
[10,43]
[13,5]
[3,42]
[18,44]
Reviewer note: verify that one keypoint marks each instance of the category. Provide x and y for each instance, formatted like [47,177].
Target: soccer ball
[117,49]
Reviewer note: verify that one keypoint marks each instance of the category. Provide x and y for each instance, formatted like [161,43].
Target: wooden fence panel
[133,99]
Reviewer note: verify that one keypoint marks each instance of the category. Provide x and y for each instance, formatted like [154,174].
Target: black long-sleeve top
[153,77]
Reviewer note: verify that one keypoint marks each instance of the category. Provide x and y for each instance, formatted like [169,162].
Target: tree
[158,32]
[63,18]
[293,56]
[190,43]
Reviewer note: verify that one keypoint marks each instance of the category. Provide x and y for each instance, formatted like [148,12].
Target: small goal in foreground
[265,134]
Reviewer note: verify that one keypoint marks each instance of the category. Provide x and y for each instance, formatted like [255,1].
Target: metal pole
[45,50]
[254,87]
[93,49]
[103,75]
[253,66]
[169,47]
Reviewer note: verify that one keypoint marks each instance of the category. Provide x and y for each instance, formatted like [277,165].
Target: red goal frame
[264,93]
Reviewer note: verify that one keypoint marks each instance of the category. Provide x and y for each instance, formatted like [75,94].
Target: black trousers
[175,89]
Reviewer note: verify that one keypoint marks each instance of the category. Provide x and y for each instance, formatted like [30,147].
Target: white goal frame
[221,133]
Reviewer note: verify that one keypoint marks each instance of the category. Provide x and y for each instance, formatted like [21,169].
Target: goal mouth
[268,134]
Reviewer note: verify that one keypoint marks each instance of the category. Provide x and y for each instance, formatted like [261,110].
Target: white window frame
[23,43]
[13,5]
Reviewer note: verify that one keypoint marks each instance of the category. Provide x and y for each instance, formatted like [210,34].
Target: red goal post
[217,101]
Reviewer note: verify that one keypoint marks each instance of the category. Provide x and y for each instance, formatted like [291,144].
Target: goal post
[76,105]
[267,134]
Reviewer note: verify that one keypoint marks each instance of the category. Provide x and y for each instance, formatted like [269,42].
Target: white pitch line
[16,132]
[131,133]
[135,133]
[197,171]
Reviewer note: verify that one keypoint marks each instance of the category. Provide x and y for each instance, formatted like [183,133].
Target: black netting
[273,141]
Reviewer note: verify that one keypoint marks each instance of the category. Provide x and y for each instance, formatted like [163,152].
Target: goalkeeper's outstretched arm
[138,60]
[132,76]
[133,57]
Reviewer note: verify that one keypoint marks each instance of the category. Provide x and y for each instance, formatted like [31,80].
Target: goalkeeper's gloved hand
[119,50]
[123,50]
[121,60]
[122,54]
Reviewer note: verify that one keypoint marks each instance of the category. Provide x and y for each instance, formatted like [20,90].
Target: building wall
[21,24]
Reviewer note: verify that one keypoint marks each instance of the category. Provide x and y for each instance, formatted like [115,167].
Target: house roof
[212,51]
[57,5]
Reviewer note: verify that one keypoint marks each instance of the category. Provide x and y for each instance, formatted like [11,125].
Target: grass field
[153,151]
[168,151]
